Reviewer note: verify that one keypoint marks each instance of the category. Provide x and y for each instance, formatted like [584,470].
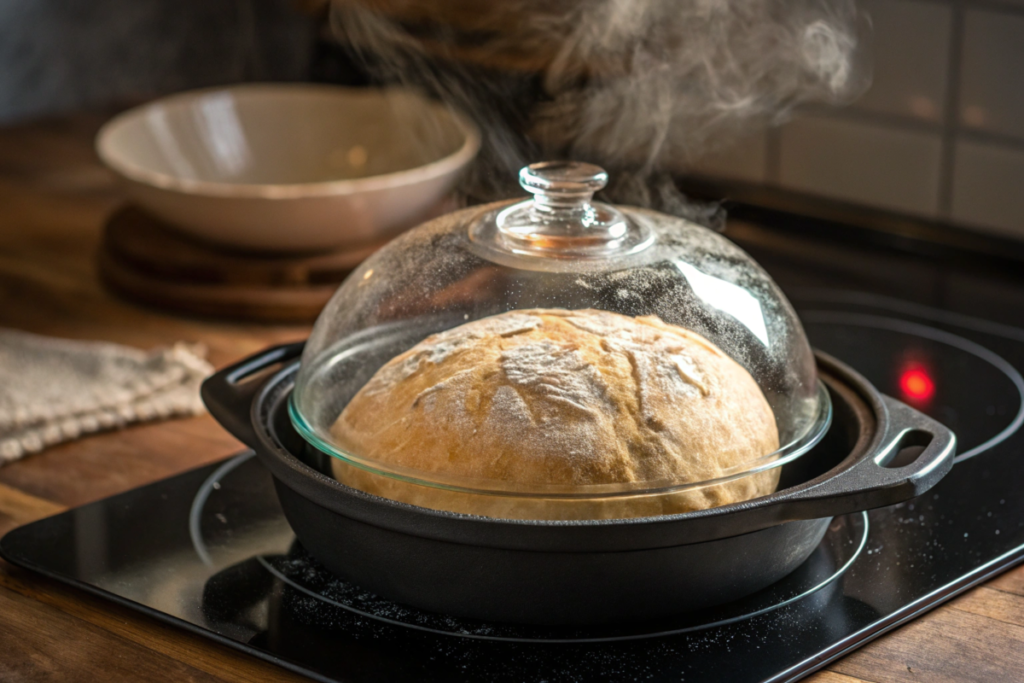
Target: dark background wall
[940,134]
[62,55]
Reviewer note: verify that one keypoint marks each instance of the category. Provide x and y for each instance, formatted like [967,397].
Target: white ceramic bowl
[289,167]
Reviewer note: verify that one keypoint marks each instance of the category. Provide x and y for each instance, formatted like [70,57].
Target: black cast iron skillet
[877,452]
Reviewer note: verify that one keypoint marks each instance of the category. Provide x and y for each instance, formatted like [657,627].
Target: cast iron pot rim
[547,535]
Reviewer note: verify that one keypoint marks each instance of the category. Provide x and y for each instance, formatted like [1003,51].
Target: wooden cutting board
[149,262]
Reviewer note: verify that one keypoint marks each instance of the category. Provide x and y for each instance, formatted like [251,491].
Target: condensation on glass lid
[557,252]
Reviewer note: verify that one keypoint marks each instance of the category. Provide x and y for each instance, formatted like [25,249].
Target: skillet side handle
[228,396]
[871,483]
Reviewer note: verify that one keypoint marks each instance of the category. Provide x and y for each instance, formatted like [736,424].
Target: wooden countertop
[54,197]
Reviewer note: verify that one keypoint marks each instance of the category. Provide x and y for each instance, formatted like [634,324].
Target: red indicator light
[916,384]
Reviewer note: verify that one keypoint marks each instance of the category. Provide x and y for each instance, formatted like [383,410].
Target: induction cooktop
[210,551]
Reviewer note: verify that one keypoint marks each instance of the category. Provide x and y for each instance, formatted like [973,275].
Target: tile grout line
[1001,6]
[996,6]
[899,122]
[947,161]
[892,121]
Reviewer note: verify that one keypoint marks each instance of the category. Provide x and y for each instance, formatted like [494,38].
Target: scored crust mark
[505,325]
[508,401]
[556,373]
[437,348]
[518,329]
[600,324]
[688,373]
[529,399]
[441,386]
[640,371]
[610,325]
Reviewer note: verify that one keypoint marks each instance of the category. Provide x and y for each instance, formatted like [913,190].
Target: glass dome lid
[560,348]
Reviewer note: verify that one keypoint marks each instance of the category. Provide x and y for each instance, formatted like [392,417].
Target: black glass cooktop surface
[209,550]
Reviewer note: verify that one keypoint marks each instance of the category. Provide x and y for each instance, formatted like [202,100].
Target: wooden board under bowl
[149,262]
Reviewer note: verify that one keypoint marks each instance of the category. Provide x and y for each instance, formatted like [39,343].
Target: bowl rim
[137,173]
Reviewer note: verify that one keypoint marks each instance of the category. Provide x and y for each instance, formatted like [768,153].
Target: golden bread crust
[570,399]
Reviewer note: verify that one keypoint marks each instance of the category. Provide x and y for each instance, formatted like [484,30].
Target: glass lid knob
[561,219]
[568,182]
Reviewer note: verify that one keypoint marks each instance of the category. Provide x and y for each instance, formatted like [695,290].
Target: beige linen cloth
[54,390]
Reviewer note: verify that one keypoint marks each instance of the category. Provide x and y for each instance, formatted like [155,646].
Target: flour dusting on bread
[533,398]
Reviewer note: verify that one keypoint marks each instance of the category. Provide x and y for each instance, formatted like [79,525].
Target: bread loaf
[560,401]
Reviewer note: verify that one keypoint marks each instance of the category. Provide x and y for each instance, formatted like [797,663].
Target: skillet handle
[228,395]
[872,482]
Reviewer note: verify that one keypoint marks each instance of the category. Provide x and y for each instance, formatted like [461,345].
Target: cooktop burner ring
[843,544]
[943,337]
[195,514]
[893,305]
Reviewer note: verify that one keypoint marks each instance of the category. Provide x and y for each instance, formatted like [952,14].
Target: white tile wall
[988,184]
[910,49]
[992,75]
[893,149]
[743,160]
[859,162]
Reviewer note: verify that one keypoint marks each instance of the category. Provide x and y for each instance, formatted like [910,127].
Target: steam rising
[643,86]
